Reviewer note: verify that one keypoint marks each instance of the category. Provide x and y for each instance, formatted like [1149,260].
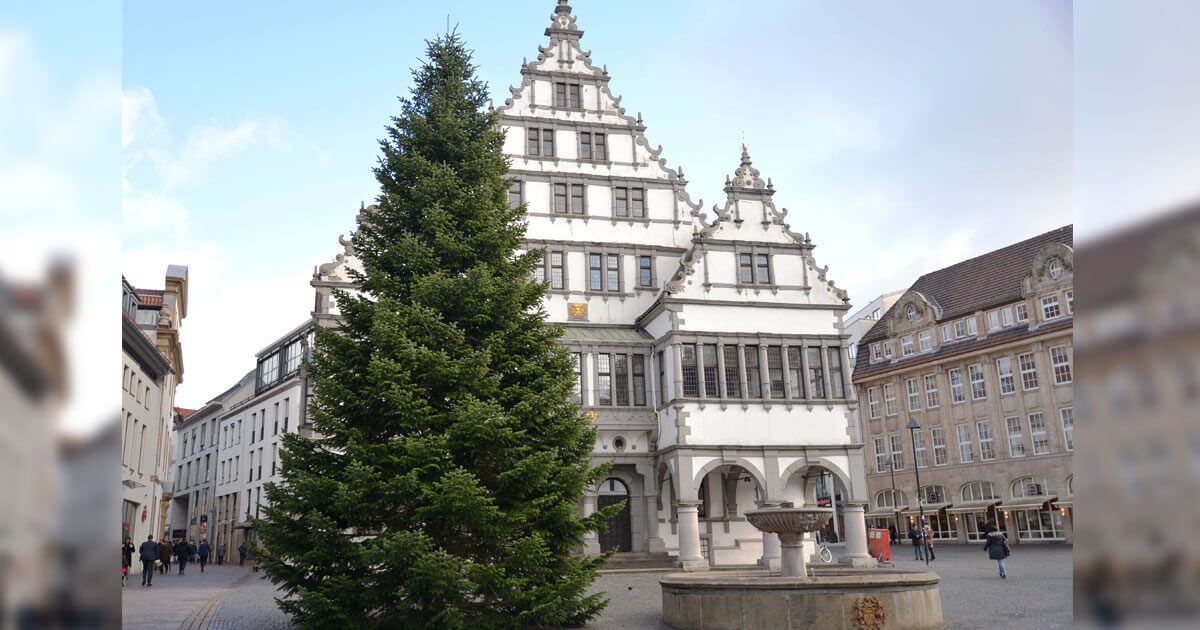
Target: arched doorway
[619,534]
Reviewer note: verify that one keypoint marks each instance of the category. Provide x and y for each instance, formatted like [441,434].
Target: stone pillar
[721,371]
[771,557]
[856,535]
[654,542]
[689,537]
[791,561]
[591,542]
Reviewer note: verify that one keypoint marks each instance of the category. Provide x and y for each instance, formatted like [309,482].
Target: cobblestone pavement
[175,600]
[1037,594]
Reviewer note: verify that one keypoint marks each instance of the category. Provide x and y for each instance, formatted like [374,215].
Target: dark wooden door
[619,535]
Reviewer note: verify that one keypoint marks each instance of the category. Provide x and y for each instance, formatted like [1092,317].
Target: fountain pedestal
[790,524]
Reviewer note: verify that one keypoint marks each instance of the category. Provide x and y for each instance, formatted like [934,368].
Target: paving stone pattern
[1037,594]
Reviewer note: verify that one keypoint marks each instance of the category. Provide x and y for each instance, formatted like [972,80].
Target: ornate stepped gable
[563,95]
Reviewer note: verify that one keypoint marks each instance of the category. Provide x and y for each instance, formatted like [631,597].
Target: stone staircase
[639,561]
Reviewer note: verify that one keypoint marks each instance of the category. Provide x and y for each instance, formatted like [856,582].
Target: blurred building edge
[33,388]
[1138,343]
[152,358]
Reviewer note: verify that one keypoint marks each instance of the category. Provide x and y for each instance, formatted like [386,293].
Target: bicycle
[825,552]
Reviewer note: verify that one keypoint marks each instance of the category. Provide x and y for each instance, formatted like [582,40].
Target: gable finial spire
[562,23]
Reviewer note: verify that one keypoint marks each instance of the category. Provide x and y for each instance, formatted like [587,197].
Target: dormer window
[1056,269]
[925,340]
[876,351]
[911,313]
[1050,308]
[906,346]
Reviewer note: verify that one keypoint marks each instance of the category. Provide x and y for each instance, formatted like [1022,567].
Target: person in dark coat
[202,552]
[996,546]
[220,554]
[895,535]
[241,554]
[148,553]
[192,551]
[918,538]
[127,550]
[164,556]
[182,551]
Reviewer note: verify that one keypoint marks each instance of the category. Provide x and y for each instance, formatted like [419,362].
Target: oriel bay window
[775,370]
[569,198]
[816,375]
[620,379]
[733,379]
[712,384]
[592,146]
[753,374]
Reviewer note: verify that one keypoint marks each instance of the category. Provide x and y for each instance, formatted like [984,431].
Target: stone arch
[740,462]
[842,476]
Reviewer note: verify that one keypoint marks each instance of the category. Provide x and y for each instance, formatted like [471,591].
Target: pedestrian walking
[997,546]
[927,532]
[220,554]
[202,552]
[895,535]
[241,554]
[182,551]
[192,550]
[148,553]
[918,538]
[164,556]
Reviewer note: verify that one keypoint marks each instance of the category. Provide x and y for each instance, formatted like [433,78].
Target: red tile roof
[184,412]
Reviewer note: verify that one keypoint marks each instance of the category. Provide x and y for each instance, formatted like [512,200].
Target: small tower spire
[562,23]
[746,177]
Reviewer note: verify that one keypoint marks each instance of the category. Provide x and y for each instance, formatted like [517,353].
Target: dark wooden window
[733,380]
[753,375]
[557,275]
[639,380]
[515,194]
[775,370]
[691,378]
[816,373]
[645,271]
[540,142]
[745,269]
[567,94]
[592,146]
[712,386]
[603,379]
[621,378]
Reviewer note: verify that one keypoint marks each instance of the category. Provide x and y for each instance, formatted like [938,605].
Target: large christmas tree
[445,486]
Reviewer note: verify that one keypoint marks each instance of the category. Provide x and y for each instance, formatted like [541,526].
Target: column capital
[687,506]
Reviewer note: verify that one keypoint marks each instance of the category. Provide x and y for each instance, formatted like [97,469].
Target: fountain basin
[789,520]
[835,597]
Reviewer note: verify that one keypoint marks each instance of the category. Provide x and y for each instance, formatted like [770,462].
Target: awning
[930,508]
[1067,502]
[884,511]
[1026,503]
[963,507]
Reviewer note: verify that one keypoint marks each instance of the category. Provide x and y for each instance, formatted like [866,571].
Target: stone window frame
[570,185]
[936,435]
[1042,431]
[604,288]
[934,401]
[990,440]
[974,370]
[891,409]
[1066,420]
[908,346]
[1014,430]
[754,251]
[881,455]
[912,391]
[547,267]
[958,395]
[1060,368]
[543,128]
[629,189]
[567,103]
[874,408]
[965,455]
[896,446]
[520,186]
[1021,312]
[925,341]
[653,284]
[920,450]
[1048,303]
[979,485]
[594,379]
[592,145]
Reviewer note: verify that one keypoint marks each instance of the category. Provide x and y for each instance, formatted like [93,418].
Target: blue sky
[902,136]
[238,140]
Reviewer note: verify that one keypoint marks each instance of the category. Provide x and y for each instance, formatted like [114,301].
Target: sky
[238,138]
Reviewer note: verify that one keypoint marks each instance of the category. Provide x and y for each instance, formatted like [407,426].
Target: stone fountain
[790,524]
[831,597]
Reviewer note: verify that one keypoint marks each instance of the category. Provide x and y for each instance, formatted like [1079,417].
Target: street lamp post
[913,427]
[895,506]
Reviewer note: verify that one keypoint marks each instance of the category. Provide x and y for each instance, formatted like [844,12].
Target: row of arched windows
[1028,486]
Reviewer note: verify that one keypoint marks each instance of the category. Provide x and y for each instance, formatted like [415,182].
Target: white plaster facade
[266,404]
[711,352]
[152,368]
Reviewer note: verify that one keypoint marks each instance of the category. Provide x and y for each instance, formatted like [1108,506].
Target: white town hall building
[710,354]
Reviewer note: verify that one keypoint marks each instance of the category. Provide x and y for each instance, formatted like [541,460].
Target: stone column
[591,542]
[764,372]
[721,371]
[771,556]
[791,561]
[689,537]
[856,535]
[654,542]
